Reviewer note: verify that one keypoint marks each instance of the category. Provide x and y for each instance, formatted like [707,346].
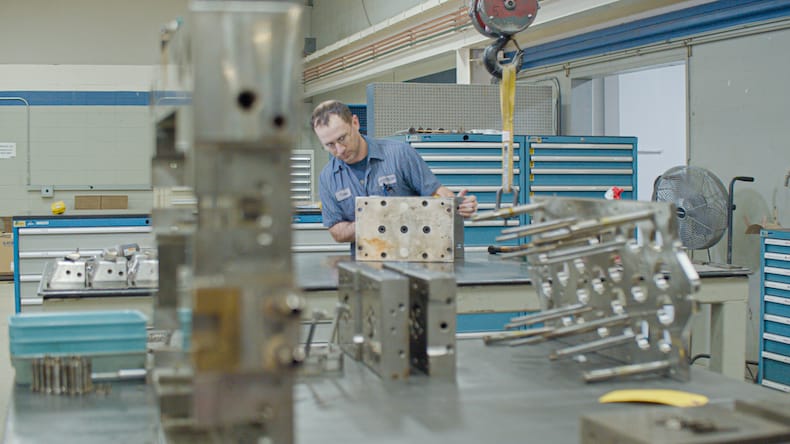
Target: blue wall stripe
[93,98]
[677,24]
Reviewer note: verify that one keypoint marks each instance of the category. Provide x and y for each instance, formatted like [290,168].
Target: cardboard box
[87,202]
[6,253]
[7,224]
[114,202]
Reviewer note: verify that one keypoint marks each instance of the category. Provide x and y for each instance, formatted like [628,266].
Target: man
[363,166]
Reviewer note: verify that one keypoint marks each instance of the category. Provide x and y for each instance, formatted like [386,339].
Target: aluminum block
[385,322]
[414,229]
[432,319]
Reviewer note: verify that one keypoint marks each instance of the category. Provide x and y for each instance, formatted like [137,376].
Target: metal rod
[532,249]
[547,315]
[595,225]
[625,370]
[506,336]
[577,252]
[56,384]
[542,227]
[576,329]
[600,344]
[730,210]
[34,378]
[508,212]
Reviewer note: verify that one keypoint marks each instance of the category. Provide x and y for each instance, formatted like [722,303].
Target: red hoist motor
[501,20]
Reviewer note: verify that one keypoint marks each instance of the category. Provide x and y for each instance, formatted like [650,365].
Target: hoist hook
[491,57]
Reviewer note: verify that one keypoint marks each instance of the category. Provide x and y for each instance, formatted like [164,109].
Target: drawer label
[777,256]
[779,319]
[776,299]
[776,385]
[776,338]
[777,285]
[776,357]
[781,242]
[777,270]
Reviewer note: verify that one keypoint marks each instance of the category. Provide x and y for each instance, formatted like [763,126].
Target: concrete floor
[6,371]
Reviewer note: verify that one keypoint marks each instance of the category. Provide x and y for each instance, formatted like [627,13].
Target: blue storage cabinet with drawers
[774,357]
[572,166]
[474,162]
[581,166]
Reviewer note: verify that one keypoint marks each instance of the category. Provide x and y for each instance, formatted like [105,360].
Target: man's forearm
[343,231]
[443,191]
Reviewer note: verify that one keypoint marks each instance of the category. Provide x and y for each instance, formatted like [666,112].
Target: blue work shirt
[394,169]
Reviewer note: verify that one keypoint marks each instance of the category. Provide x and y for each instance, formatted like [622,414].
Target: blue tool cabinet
[581,166]
[40,239]
[474,162]
[774,360]
[573,166]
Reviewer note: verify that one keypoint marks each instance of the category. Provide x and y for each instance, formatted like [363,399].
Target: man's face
[342,139]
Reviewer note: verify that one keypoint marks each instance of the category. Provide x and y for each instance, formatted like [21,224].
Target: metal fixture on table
[399,319]
[612,278]
[238,64]
[114,270]
[416,229]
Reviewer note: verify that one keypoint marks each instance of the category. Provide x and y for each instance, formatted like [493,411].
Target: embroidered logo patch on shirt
[387,180]
[343,194]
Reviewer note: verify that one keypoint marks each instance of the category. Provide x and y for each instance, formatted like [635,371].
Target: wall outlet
[47,190]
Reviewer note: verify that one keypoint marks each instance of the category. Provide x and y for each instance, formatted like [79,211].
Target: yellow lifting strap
[507,98]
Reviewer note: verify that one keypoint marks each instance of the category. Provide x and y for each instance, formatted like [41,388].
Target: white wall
[740,126]
[92,32]
[332,20]
[652,107]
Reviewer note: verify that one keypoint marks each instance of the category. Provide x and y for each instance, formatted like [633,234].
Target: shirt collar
[374,152]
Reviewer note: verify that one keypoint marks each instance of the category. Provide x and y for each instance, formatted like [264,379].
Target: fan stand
[691,255]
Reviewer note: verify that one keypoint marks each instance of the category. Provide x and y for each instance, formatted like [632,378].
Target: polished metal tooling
[62,375]
[612,279]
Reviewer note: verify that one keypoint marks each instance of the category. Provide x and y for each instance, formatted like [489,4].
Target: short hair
[325,110]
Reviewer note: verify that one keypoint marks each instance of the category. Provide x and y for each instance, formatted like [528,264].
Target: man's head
[338,131]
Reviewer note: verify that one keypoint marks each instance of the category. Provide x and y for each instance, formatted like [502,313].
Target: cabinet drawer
[777,293]
[777,246]
[776,368]
[776,344]
[775,305]
[777,325]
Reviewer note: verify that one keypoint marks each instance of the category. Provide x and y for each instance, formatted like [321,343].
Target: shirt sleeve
[331,213]
[418,173]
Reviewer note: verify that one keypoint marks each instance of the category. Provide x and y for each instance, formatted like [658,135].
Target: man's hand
[469,205]
[467,208]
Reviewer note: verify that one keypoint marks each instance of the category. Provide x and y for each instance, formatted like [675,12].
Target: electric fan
[701,201]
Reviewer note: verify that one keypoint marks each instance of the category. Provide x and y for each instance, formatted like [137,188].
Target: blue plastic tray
[77,333]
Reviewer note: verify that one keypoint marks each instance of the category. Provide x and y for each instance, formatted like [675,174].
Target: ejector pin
[625,370]
[506,336]
[591,226]
[547,315]
[508,212]
[529,230]
[591,346]
[557,256]
[533,249]
[576,329]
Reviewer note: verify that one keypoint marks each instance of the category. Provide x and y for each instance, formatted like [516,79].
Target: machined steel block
[432,319]
[414,229]
[384,299]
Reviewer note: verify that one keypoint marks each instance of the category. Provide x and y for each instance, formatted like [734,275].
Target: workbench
[502,394]
[491,290]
